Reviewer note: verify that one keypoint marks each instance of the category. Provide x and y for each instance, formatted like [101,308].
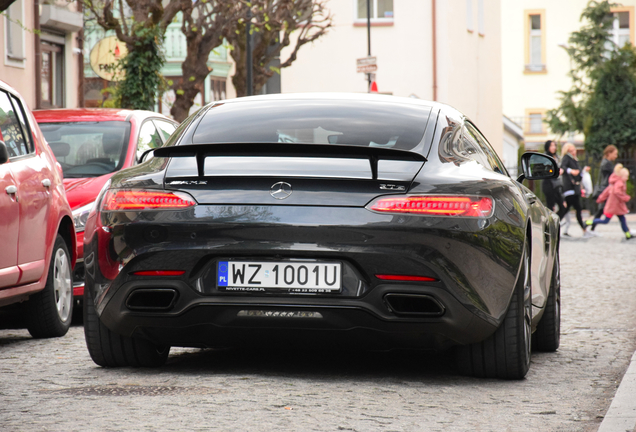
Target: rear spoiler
[201,151]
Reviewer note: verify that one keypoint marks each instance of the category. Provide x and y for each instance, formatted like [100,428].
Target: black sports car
[324,220]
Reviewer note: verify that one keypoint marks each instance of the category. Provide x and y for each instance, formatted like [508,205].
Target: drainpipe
[80,47]
[248,52]
[38,54]
[434,27]
[369,40]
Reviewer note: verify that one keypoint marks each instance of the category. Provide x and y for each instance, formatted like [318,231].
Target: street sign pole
[369,40]
[248,53]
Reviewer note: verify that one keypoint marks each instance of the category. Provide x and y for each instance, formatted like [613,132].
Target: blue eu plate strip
[222,273]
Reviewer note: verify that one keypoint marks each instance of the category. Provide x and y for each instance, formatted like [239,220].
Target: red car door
[32,176]
[9,222]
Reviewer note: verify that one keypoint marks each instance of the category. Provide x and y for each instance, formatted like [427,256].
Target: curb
[621,415]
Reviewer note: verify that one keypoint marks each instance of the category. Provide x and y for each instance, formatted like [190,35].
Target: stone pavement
[621,415]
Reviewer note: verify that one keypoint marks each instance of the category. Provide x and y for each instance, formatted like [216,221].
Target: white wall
[468,64]
[403,51]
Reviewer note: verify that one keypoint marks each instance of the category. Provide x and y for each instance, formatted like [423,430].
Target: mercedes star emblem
[280,190]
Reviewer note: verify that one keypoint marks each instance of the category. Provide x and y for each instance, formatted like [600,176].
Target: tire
[506,353]
[547,336]
[109,349]
[50,311]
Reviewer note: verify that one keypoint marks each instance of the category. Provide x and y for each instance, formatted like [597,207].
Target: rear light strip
[406,278]
[435,205]
[145,199]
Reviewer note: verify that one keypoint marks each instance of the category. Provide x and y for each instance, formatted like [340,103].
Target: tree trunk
[194,71]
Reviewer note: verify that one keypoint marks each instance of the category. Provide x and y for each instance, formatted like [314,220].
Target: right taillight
[435,205]
[145,199]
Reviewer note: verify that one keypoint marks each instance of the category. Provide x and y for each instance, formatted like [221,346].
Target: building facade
[536,64]
[443,50]
[41,55]
[215,86]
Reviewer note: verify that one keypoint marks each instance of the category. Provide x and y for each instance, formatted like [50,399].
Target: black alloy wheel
[547,336]
[506,353]
[110,349]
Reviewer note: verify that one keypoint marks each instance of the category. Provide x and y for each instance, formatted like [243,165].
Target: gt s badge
[393,187]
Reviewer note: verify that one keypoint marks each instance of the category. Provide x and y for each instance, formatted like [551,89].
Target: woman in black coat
[552,188]
[571,179]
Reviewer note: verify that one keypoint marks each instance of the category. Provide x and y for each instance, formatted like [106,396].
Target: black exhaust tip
[414,305]
[152,299]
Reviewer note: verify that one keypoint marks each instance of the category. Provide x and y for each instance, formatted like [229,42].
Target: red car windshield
[88,149]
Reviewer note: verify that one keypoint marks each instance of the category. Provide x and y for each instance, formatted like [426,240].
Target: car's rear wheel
[506,353]
[49,312]
[110,349]
[547,336]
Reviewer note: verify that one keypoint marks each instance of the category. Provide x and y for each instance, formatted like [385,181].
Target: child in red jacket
[615,196]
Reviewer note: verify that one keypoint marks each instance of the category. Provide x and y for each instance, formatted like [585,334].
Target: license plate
[301,277]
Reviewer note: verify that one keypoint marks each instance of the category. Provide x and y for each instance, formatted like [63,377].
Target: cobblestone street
[52,385]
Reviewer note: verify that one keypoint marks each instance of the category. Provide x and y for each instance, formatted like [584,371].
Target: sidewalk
[621,416]
[622,413]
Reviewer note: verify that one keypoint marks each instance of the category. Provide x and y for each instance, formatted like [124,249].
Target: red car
[36,225]
[91,144]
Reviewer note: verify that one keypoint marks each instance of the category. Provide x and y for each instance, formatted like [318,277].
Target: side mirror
[4,153]
[538,166]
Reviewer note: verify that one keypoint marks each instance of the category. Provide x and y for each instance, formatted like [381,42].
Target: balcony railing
[174,46]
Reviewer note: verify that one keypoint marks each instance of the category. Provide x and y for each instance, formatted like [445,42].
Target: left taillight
[145,199]
[435,205]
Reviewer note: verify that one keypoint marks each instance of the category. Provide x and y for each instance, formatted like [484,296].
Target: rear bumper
[211,321]
[78,278]
[475,263]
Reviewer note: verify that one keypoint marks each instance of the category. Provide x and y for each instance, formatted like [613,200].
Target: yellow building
[535,64]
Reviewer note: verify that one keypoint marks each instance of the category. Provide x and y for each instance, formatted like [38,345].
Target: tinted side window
[26,130]
[493,160]
[11,129]
[165,129]
[148,139]
[468,147]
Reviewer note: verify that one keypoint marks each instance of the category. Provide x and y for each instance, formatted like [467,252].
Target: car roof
[327,96]
[348,97]
[91,114]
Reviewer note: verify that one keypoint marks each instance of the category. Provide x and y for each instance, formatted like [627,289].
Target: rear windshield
[88,149]
[368,124]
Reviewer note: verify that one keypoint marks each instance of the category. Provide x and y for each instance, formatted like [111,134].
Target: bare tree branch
[276,25]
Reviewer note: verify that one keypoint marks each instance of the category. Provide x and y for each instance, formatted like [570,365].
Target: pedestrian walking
[610,153]
[615,197]
[552,188]
[571,187]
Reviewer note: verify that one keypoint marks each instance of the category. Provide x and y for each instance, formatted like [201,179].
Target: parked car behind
[91,145]
[36,225]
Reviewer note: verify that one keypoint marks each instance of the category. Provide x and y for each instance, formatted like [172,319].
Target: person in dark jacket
[552,188]
[610,153]
[572,185]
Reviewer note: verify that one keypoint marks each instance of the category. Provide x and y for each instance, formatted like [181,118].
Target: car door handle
[12,190]
[46,183]
[532,198]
